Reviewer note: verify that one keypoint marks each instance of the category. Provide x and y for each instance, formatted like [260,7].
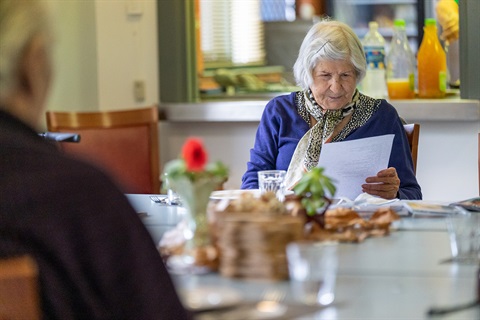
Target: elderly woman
[329,108]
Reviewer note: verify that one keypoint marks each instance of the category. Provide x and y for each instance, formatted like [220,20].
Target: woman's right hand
[385,184]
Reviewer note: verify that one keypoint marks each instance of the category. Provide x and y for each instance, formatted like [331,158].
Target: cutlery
[270,305]
[444,310]
[142,214]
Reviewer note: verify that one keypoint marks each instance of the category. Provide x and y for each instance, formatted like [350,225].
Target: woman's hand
[385,184]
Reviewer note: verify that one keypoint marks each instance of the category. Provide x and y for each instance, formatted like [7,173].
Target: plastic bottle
[374,83]
[400,65]
[432,64]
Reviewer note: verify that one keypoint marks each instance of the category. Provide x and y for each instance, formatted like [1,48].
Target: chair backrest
[122,143]
[413,133]
[19,290]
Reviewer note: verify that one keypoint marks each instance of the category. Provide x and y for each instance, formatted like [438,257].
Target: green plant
[314,189]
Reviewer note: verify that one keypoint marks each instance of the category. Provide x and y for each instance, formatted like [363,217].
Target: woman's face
[334,82]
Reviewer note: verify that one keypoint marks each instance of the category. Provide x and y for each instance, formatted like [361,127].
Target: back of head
[328,40]
[20,22]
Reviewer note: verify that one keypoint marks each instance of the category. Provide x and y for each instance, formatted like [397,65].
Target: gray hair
[328,40]
[20,22]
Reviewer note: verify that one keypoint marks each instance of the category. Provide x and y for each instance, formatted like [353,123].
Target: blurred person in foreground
[293,127]
[95,258]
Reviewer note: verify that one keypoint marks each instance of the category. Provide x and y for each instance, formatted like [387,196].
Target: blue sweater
[281,128]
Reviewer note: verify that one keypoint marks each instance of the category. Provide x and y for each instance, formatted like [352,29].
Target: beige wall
[75,56]
[101,48]
[126,51]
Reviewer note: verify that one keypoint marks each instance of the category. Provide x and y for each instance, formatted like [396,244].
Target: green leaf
[313,187]
[175,168]
[301,187]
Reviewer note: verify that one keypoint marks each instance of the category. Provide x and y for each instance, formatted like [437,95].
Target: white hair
[328,40]
[20,22]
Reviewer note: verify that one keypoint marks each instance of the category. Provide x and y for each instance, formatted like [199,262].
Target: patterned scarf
[322,131]
[307,152]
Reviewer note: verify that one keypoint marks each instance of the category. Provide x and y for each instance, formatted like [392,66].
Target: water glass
[464,231]
[172,196]
[312,268]
[272,180]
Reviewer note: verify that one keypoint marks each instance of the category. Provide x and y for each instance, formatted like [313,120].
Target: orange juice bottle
[400,65]
[432,64]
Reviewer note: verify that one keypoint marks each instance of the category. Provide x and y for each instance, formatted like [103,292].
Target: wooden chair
[19,290]
[413,133]
[122,143]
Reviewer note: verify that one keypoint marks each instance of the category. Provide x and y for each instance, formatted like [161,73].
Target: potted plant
[314,191]
[193,179]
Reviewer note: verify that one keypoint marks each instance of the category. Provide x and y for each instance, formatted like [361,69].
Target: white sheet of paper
[349,163]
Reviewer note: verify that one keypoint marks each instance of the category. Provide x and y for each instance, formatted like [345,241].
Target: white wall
[447,167]
[227,142]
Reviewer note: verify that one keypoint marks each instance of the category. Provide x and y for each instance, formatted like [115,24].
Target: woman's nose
[335,84]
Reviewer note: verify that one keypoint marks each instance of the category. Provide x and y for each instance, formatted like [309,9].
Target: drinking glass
[464,231]
[172,196]
[312,268]
[272,180]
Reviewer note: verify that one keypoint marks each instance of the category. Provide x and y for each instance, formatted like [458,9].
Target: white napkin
[364,199]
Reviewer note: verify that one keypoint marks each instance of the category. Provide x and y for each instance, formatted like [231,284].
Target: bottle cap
[399,23]
[430,22]
[373,25]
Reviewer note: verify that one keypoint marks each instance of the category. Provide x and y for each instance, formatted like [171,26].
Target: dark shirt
[96,259]
[281,128]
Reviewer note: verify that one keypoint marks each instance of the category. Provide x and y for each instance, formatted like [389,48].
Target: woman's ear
[34,77]
[34,73]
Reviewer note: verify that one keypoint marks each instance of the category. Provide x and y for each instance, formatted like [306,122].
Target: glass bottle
[400,65]
[432,64]
[374,83]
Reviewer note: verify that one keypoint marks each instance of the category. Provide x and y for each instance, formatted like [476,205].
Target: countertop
[250,110]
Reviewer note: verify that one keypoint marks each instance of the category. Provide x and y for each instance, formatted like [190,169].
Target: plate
[426,209]
[235,194]
[206,298]
[472,204]
[232,194]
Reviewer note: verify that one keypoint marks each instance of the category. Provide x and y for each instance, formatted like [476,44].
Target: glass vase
[198,255]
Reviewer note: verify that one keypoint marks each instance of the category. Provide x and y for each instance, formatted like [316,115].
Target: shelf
[377,2]
[250,109]
[385,32]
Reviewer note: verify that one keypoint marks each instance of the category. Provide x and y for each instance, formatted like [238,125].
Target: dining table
[401,275]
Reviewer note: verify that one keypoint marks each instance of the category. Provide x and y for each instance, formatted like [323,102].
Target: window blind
[231,33]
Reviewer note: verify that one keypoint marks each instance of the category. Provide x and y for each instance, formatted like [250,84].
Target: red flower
[194,154]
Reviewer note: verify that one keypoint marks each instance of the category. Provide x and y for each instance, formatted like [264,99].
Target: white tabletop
[402,253]
[395,277]
[157,217]
[357,297]
[399,276]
